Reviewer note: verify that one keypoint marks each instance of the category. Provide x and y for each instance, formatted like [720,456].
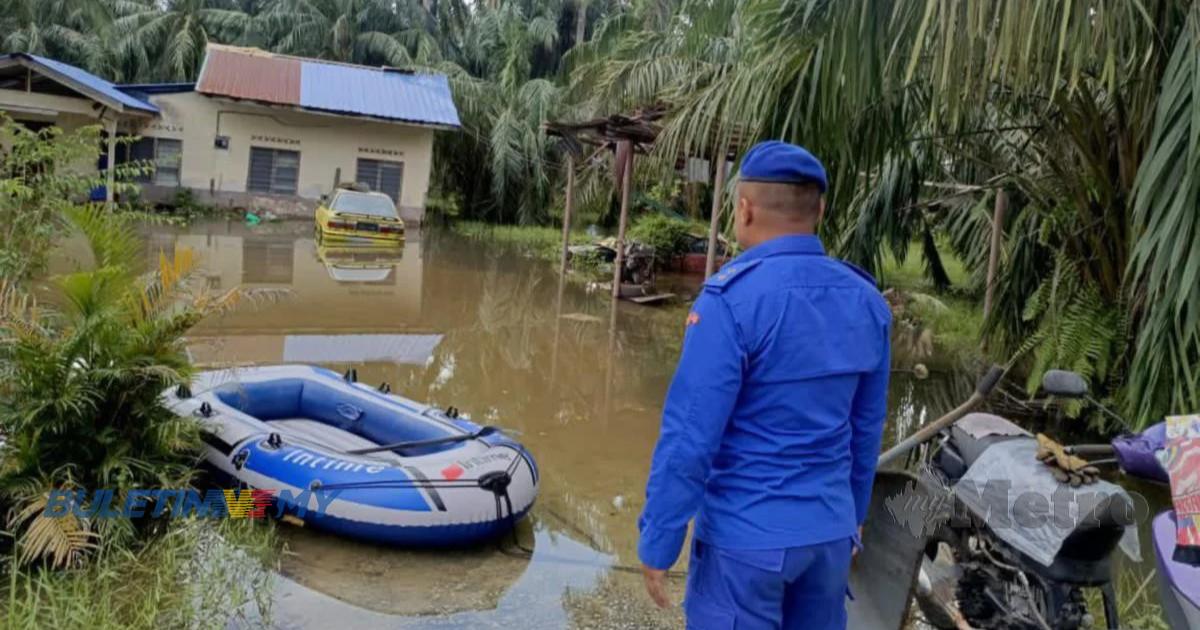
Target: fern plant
[1076,329]
[80,379]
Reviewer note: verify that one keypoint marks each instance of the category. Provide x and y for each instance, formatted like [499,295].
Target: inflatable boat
[358,461]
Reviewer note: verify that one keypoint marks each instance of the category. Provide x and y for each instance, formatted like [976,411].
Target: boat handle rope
[397,446]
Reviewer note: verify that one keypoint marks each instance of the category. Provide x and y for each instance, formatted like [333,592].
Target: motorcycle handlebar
[989,380]
[985,387]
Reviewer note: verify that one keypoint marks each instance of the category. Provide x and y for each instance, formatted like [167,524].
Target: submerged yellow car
[359,216]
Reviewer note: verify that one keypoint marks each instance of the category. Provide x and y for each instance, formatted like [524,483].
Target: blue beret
[782,163]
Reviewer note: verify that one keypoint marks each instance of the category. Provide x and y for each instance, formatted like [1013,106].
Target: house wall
[65,112]
[326,144]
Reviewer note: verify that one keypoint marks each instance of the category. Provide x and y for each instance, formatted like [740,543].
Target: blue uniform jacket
[773,421]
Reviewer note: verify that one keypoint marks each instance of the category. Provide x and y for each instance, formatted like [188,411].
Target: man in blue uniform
[773,422]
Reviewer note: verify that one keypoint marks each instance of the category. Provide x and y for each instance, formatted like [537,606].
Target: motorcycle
[985,536]
[1019,547]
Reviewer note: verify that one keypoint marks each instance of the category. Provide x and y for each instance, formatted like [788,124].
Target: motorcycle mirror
[1065,384]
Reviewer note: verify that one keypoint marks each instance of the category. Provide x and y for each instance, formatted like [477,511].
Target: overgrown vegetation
[37,185]
[670,237]
[544,243]
[925,112]
[80,381]
[84,357]
[200,574]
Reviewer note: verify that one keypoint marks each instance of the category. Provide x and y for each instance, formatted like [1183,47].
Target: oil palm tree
[69,30]
[166,41]
[505,94]
[355,31]
[1076,109]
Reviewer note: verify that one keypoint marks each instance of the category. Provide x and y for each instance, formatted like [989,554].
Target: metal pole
[111,162]
[566,220]
[626,184]
[710,258]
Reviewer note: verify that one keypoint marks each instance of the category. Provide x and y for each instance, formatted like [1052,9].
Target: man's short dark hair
[795,200]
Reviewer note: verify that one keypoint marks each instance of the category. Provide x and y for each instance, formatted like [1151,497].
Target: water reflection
[465,323]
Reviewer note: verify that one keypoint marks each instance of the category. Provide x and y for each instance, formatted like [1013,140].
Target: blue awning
[82,81]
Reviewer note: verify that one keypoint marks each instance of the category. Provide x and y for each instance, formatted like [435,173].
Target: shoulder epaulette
[729,274]
[859,270]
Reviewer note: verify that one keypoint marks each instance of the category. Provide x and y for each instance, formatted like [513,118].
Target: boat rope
[398,446]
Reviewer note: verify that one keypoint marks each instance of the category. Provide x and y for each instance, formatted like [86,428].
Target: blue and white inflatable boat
[405,473]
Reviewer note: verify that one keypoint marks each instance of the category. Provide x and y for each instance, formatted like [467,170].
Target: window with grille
[164,153]
[273,171]
[381,176]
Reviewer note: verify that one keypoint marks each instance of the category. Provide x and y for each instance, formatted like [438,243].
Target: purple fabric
[1135,452]
[1182,577]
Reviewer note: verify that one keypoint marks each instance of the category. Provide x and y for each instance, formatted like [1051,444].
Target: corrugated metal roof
[251,74]
[376,92]
[85,80]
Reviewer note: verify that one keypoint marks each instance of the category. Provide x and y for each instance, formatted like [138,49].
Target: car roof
[347,191]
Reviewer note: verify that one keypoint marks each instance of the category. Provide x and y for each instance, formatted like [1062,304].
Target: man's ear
[821,210]
[745,211]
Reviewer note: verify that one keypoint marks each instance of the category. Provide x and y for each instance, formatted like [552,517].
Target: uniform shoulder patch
[859,270]
[729,274]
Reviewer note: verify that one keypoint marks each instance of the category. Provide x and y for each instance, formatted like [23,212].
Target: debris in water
[582,317]
[619,502]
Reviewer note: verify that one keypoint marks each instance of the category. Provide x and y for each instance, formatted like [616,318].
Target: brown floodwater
[472,324]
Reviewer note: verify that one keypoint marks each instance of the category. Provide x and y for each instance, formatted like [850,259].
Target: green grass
[910,275]
[530,240]
[1137,604]
[200,574]
[954,317]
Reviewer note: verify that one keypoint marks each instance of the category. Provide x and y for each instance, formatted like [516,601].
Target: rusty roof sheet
[324,86]
[247,73]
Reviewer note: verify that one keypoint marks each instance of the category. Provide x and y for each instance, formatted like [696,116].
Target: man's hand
[656,586]
[855,551]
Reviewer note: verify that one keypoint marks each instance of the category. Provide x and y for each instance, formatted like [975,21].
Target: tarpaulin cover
[1017,493]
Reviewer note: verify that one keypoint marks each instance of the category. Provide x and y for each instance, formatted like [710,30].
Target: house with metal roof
[257,130]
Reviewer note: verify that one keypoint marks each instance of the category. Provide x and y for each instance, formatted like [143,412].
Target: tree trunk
[937,270]
[1000,208]
[718,204]
[570,206]
[581,8]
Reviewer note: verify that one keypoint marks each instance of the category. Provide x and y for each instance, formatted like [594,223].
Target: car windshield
[363,203]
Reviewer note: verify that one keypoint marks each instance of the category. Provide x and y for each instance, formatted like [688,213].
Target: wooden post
[111,178]
[566,220]
[710,258]
[998,212]
[626,184]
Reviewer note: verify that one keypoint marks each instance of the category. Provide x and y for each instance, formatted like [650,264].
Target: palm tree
[63,29]
[356,31]
[167,41]
[505,92]
[924,110]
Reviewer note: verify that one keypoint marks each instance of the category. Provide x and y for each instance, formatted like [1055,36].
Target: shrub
[669,237]
[80,383]
[38,183]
